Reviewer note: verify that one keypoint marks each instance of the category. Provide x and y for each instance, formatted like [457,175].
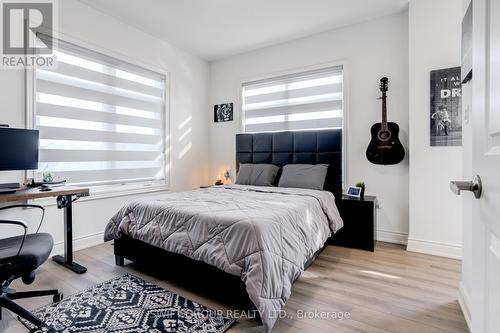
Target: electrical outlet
[380,204]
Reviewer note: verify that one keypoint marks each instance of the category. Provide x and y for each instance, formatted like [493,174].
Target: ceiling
[214,29]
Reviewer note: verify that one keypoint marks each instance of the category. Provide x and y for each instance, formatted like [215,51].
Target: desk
[65,196]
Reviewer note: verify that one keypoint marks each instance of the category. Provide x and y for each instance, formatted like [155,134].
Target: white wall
[369,51]
[435,213]
[188,100]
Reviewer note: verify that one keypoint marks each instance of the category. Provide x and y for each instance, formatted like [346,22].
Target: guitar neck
[384,111]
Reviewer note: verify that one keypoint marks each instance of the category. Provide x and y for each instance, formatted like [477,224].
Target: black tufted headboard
[306,147]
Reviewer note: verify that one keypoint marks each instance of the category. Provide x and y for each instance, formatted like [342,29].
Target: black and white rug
[132,305]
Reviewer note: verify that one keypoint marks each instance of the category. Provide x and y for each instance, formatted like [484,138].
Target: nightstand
[360,223]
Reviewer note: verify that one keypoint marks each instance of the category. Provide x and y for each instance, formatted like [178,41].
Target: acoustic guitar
[385,147]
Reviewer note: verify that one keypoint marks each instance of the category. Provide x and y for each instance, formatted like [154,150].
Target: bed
[266,236]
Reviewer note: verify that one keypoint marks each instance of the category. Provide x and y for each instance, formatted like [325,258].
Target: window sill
[107,193]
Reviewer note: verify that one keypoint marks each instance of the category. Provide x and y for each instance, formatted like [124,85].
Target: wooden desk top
[35,193]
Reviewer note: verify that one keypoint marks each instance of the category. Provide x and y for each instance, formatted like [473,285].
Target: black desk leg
[67,261]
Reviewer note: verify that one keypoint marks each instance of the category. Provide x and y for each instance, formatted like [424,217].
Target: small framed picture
[223,112]
[354,191]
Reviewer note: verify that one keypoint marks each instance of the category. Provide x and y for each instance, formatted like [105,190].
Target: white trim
[293,70]
[464,302]
[447,250]
[389,236]
[80,243]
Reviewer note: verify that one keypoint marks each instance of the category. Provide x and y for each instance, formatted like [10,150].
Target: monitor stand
[9,187]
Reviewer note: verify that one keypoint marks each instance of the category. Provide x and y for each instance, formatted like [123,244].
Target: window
[303,101]
[102,121]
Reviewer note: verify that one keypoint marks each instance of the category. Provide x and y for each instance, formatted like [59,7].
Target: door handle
[475,186]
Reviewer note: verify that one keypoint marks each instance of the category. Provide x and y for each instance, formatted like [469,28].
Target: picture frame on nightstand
[354,192]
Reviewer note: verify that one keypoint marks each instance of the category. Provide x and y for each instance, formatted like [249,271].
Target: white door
[485,124]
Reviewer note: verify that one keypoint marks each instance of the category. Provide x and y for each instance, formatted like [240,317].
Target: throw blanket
[266,235]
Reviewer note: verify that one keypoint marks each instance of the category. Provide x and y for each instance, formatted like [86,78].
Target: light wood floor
[390,290]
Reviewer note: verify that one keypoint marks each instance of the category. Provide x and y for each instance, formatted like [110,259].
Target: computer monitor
[18,149]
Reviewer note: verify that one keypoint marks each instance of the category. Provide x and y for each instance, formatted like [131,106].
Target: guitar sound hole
[384,135]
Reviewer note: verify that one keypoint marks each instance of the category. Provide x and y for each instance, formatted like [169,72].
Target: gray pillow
[310,176]
[257,174]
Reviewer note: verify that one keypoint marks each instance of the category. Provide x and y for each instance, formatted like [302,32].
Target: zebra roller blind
[302,101]
[101,120]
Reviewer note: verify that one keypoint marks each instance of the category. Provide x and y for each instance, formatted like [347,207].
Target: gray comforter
[263,234]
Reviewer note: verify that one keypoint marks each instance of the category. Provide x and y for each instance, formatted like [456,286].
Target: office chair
[19,257]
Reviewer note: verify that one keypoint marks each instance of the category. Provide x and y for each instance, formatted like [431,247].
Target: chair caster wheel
[58,297]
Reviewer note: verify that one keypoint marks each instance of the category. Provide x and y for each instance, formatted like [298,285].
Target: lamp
[227,177]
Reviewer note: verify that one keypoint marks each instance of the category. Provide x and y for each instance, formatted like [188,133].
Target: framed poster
[223,112]
[446,107]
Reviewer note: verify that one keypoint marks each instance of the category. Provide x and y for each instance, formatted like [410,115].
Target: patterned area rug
[128,304]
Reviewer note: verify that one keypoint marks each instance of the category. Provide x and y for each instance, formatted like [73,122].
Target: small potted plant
[363,187]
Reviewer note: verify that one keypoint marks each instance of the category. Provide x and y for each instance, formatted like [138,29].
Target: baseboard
[464,301]
[80,243]
[434,248]
[395,237]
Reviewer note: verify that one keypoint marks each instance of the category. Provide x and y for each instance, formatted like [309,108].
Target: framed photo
[223,112]
[446,107]
[354,191]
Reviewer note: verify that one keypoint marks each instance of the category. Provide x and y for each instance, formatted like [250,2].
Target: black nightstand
[360,223]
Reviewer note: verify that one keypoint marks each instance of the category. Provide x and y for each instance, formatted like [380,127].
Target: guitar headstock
[383,84]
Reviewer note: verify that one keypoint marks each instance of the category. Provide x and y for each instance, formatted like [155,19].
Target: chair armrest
[28,206]
[16,222]
[19,223]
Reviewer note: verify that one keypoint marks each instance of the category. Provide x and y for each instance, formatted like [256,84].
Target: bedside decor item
[385,147]
[354,192]
[129,304]
[446,107]
[219,181]
[227,175]
[363,188]
[223,112]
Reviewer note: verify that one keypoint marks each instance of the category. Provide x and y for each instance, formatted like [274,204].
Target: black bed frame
[185,272]
[279,148]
